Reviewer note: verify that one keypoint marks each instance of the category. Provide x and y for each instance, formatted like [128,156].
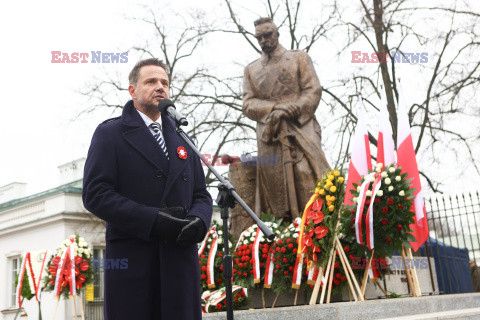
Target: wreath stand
[74,307]
[412,278]
[353,286]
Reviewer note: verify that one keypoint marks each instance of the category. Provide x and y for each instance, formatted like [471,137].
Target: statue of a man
[281,91]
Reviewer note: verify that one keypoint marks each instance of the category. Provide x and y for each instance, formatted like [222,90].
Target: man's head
[266,33]
[149,84]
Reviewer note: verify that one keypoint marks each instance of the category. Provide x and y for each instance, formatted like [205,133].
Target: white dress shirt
[149,121]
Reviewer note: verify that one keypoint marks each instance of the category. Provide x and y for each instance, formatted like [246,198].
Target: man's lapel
[173,142]
[141,139]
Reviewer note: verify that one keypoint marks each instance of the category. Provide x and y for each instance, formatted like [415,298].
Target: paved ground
[457,306]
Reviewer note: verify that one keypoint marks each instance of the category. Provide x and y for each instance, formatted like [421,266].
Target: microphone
[166,106]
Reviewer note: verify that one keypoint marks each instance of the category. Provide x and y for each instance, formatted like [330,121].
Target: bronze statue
[281,91]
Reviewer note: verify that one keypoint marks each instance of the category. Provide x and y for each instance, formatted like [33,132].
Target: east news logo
[84,57]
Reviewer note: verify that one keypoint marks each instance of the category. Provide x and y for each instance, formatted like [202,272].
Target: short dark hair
[264,20]
[134,74]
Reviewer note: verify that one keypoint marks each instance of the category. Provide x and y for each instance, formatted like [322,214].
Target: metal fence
[454,241]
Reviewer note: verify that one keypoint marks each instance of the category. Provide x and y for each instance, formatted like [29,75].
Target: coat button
[159,174]
[185,176]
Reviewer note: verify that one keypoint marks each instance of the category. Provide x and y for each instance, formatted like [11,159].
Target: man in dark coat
[149,187]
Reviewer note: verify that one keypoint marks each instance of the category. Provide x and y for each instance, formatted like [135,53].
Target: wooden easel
[352,281]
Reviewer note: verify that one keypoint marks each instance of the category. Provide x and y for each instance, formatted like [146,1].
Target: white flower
[358,189]
[378,169]
[252,239]
[80,250]
[354,200]
[384,174]
[379,165]
[80,239]
[401,193]
[369,193]
[295,235]
[372,178]
[398,178]
[391,169]
[388,181]
[379,193]
[390,188]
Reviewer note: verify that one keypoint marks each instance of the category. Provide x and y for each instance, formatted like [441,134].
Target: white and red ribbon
[297,272]
[204,242]
[39,278]
[68,254]
[31,278]
[312,274]
[360,205]
[256,257]
[269,267]
[211,261]
[223,296]
[369,217]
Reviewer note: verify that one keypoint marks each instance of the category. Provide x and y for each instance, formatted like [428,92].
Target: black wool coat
[127,180]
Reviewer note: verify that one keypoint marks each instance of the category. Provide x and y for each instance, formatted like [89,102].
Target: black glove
[192,233]
[167,227]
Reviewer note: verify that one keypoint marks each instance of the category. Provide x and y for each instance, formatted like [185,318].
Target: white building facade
[39,222]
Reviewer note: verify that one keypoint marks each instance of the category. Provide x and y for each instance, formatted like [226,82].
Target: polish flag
[385,146]
[360,159]
[406,159]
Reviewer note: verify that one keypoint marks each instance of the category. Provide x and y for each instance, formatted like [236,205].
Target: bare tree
[214,99]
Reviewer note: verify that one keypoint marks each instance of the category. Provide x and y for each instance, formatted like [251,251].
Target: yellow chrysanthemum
[332,198]
[330,177]
[333,189]
[331,208]
[341,179]
[317,190]
[329,203]
[336,173]
[321,192]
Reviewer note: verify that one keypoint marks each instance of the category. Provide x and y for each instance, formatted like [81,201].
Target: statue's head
[266,33]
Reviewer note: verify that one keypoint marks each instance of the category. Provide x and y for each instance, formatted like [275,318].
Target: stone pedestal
[242,176]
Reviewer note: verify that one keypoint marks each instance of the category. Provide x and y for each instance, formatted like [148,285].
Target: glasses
[265,35]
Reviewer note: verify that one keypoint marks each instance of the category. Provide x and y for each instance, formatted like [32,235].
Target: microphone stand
[227,198]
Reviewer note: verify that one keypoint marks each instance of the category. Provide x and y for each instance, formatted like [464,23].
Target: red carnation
[290,268]
[385,210]
[346,249]
[264,250]
[399,227]
[384,221]
[388,240]
[288,240]
[390,201]
[283,249]
[343,279]
[285,260]
[245,274]
[353,220]
[337,265]
[264,256]
[339,275]
[280,241]
[285,273]
[251,271]
[336,282]
[277,266]
[377,200]
[204,268]
[290,245]
[277,249]
[219,306]
[295,250]
[202,256]
[400,206]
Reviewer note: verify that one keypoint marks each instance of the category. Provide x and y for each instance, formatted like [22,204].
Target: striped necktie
[159,137]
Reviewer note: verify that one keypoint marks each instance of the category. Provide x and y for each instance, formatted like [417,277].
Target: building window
[15,264]
[98,257]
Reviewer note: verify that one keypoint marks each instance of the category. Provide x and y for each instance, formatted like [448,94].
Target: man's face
[151,87]
[267,37]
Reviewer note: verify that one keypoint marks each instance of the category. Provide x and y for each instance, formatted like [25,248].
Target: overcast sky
[40,100]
